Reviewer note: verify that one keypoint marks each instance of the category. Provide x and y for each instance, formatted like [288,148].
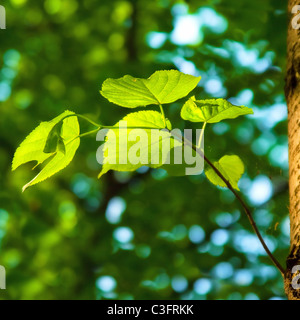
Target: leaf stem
[163,114]
[114,128]
[108,127]
[82,117]
[201,135]
[83,135]
[88,133]
[89,120]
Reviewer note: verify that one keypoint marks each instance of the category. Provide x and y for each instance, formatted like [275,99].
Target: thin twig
[247,210]
[248,213]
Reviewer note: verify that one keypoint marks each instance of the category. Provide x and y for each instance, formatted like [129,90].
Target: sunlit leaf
[117,153]
[231,167]
[54,140]
[212,110]
[162,87]
[32,148]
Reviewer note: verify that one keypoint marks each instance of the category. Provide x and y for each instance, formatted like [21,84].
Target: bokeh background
[143,235]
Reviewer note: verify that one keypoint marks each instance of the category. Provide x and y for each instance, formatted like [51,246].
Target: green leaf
[113,151]
[162,87]
[31,149]
[212,110]
[61,145]
[54,141]
[231,167]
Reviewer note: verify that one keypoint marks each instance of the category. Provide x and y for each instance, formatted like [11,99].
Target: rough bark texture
[292,92]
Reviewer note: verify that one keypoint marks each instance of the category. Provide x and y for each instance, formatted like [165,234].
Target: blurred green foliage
[143,235]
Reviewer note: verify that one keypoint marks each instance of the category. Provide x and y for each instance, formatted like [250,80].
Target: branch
[247,210]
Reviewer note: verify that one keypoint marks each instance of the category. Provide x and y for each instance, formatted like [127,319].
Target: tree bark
[292,92]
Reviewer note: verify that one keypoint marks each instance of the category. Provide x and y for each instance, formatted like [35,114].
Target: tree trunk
[292,92]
